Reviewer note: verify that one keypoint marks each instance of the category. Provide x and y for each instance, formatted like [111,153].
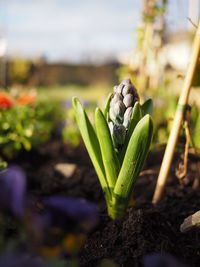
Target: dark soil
[144,229]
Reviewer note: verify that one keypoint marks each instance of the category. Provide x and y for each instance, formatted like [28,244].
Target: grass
[94,93]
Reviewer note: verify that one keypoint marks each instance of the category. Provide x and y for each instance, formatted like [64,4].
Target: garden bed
[144,229]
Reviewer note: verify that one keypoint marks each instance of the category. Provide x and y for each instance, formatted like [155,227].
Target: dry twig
[172,141]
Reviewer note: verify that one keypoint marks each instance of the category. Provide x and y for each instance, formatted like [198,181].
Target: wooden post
[183,99]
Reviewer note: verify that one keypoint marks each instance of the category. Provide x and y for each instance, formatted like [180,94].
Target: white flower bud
[119,108]
[116,112]
[112,114]
[118,89]
[127,116]
[117,97]
[128,100]
[127,89]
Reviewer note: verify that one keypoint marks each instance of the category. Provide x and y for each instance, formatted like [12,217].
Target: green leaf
[91,141]
[147,107]
[109,156]
[26,143]
[135,117]
[135,156]
[107,106]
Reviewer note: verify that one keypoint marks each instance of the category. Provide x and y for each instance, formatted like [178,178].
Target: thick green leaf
[135,117]
[147,107]
[107,106]
[109,156]
[91,141]
[135,156]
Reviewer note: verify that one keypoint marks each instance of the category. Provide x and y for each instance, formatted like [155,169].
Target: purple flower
[19,260]
[59,218]
[13,190]
[161,260]
[63,210]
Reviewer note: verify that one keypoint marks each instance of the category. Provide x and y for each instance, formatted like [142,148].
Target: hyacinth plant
[119,143]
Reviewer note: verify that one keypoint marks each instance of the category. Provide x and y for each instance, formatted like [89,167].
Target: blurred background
[57,42]
[51,50]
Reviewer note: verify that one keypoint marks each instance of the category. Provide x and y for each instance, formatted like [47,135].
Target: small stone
[193,221]
[66,169]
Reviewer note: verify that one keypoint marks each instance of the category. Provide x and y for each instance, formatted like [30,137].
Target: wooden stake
[183,99]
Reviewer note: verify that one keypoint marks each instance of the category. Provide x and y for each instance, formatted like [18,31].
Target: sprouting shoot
[118,144]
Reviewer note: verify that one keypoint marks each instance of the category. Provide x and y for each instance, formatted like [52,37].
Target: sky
[77,30]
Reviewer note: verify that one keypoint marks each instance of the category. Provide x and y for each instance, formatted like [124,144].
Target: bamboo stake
[183,99]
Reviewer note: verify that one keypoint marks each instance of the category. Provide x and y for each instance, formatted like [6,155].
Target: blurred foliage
[19,70]
[82,74]
[26,126]
[153,10]
[164,111]
[3,164]
[61,93]
[26,121]
[90,95]
[70,132]
[42,73]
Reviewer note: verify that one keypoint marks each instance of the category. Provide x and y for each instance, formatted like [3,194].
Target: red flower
[5,101]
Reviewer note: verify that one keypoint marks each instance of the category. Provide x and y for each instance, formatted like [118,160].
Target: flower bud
[127,116]
[128,100]
[116,112]
[126,81]
[112,114]
[121,106]
[136,96]
[117,97]
[119,134]
[118,89]
[128,88]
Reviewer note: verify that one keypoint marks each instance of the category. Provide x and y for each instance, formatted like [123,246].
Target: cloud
[59,28]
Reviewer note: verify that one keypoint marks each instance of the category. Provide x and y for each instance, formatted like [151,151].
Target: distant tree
[19,70]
